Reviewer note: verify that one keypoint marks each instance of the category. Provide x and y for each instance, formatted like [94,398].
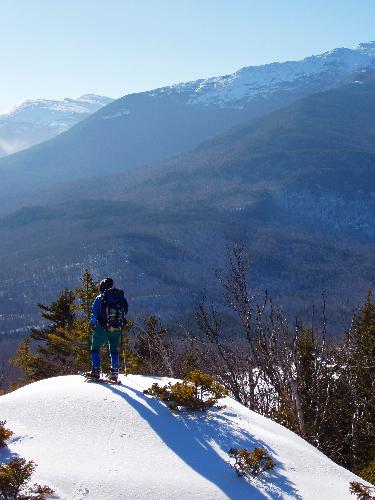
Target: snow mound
[103,442]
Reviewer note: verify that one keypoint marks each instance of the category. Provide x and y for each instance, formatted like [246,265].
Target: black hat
[105,284]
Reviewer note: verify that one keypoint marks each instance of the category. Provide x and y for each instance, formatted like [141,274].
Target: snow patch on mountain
[118,114]
[41,111]
[35,121]
[101,442]
[260,82]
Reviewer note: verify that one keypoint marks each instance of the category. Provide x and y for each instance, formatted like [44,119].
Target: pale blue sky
[64,48]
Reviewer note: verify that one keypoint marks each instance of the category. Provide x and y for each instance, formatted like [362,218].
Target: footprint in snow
[84,492]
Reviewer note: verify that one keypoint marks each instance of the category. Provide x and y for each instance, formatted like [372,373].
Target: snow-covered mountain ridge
[35,121]
[318,72]
[100,442]
[41,110]
[255,89]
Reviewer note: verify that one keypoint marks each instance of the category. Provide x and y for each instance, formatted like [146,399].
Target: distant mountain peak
[94,98]
[67,104]
[367,46]
[37,120]
[254,83]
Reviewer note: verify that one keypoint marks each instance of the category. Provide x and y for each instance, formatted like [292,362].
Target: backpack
[113,310]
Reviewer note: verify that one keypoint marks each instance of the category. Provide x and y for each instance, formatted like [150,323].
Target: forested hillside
[295,186]
[150,126]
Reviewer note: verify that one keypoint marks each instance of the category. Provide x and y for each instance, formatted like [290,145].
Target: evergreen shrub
[197,392]
[5,434]
[251,463]
[14,481]
[362,491]
[368,473]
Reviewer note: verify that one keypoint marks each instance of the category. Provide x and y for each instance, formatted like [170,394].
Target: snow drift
[94,441]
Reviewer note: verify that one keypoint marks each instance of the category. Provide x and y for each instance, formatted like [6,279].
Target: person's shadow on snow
[190,436]
[6,455]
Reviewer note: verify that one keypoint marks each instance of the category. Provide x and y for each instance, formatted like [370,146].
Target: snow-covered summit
[40,111]
[367,46]
[252,91]
[99,442]
[314,73]
[35,121]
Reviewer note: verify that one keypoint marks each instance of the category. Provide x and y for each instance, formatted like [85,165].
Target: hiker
[107,319]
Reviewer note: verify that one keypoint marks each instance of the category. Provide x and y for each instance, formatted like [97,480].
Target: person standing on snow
[108,317]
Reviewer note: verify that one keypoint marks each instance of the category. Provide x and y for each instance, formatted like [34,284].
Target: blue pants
[99,337]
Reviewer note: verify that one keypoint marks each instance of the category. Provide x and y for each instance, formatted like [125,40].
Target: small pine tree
[306,366]
[28,362]
[53,354]
[361,380]
[362,491]
[251,463]
[59,314]
[62,346]
[86,295]
[197,392]
[368,473]
[5,433]
[14,481]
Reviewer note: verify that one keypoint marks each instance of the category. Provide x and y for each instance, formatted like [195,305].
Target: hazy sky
[65,48]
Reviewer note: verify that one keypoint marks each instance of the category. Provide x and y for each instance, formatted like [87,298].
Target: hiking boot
[94,373]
